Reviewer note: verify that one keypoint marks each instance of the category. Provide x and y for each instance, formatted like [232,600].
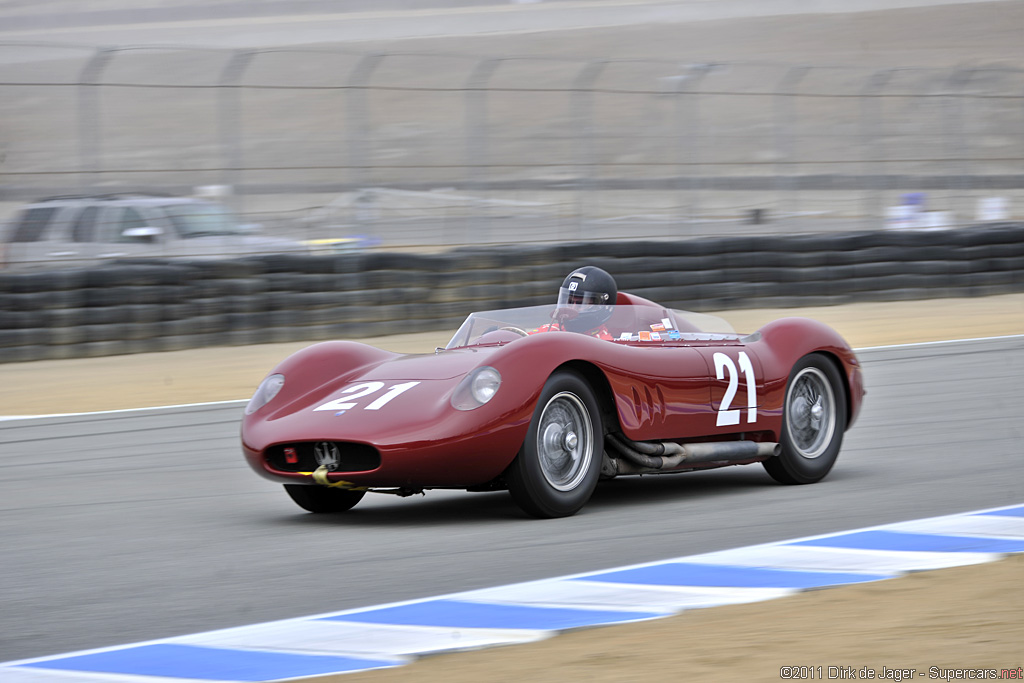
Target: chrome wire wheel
[813,422]
[559,463]
[811,412]
[564,441]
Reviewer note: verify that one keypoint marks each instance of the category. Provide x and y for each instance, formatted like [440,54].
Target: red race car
[544,403]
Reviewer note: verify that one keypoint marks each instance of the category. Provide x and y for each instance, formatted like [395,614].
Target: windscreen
[626,324]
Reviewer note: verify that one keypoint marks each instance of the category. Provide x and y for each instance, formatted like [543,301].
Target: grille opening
[355,457]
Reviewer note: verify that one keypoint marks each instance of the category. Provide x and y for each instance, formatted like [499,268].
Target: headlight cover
[265,392]
[476,388]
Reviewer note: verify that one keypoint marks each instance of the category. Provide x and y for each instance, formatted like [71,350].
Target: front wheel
[813,423]
[558,466]
[321,499]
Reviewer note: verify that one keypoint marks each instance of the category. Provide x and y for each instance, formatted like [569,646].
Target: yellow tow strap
[320,477]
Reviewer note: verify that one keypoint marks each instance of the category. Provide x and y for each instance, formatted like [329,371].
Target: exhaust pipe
[667,455]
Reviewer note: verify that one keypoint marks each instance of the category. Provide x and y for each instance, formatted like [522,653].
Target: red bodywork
[656,391]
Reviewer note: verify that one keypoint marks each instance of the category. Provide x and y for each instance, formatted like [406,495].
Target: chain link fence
[433,149]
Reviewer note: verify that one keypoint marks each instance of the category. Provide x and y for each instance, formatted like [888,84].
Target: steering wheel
[521,332]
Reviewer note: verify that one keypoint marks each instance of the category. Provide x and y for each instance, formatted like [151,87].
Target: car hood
[441,366]
[385,398]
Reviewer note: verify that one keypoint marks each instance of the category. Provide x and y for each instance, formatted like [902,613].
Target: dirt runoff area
[952,624]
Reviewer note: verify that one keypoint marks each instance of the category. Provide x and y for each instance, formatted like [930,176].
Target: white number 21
[726,414]
[365,389]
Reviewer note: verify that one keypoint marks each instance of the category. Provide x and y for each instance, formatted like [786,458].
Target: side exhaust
[644,457]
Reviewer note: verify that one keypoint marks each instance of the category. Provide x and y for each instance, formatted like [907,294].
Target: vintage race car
[516,402]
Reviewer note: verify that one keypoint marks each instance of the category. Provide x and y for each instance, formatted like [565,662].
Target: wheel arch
[597,380]
[784,342]
[549,478]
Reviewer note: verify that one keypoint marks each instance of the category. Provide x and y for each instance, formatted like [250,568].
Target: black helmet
[590,293]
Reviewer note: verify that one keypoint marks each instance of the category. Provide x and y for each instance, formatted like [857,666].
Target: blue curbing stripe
[710,575]
[459,614]
[210,664]
[899,540]
[1006,512]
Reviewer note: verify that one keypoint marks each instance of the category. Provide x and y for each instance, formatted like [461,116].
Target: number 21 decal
[355,391]
[724,365]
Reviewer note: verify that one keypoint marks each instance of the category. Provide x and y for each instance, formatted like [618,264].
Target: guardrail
[161,305]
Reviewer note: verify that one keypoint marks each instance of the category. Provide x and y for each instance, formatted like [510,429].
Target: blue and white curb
[395,634]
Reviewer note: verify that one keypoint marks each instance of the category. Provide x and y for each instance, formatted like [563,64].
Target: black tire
[559,463]
[321,499]
[810,442]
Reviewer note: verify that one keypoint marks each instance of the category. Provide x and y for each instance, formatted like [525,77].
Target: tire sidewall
[795,467]
[527,483]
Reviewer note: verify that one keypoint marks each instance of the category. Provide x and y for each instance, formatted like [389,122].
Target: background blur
[786,123]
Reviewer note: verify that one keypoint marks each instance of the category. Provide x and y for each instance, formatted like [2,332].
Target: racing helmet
[585,299]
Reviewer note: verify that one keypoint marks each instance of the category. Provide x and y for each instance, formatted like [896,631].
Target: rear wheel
[322,499]
[813,423]
[560,461]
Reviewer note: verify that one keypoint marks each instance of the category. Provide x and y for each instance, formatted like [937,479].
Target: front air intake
[337,456]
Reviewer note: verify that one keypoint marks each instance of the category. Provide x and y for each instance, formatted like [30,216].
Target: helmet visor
[585,300]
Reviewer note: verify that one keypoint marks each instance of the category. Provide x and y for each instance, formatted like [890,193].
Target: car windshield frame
[627,323]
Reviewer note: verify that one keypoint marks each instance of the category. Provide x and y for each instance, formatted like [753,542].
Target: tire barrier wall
[163,305]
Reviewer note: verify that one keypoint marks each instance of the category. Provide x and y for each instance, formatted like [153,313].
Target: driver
[585,302]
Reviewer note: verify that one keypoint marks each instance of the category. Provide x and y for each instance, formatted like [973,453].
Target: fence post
[688,112]
[230,120]
[477,149]
[871,134]
[582,112]
[359,127]
[786,122]
[955,135]
[90,136]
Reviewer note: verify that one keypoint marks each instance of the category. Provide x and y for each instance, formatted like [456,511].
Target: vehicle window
[85,225]
[130,218]
[33,224]
[195,220]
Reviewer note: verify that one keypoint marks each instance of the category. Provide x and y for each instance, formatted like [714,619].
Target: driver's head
[592,293]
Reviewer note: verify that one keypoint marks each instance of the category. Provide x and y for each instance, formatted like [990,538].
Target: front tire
[813,423]
[558,466]
[321,499]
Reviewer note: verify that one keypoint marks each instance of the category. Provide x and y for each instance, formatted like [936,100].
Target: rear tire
[813,423]
[559,464]
[321,499]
